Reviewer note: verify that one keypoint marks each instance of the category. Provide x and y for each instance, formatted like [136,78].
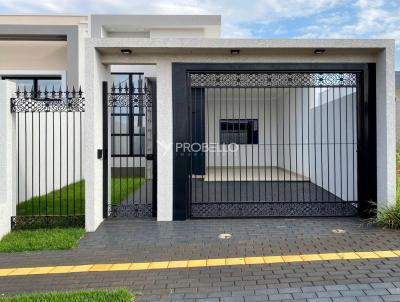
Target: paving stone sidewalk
[127,240]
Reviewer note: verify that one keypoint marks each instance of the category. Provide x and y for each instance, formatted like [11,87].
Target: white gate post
[8,190]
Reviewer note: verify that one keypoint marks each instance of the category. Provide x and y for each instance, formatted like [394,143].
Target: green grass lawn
[70,200]
[119,295]
[41,239]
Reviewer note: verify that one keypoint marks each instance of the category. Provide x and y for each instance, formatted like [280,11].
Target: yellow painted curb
[135,266]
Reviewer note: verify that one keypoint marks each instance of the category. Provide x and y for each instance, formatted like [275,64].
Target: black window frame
[131,119]
[251,125]
[34,78]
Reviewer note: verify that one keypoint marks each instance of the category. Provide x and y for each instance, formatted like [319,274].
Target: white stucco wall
[95,74]
[28,55]
[8,189]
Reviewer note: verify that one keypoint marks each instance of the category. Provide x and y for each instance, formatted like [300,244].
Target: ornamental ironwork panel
[125,96]
[272,209]
[48,101]
[199,80]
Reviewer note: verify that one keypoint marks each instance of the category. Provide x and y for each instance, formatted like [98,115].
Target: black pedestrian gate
[272,143]
[129,130]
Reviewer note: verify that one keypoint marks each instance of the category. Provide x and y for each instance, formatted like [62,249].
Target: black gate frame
[103,153]
[366,144]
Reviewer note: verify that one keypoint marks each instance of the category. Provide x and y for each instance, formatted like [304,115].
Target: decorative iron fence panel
[131,116]
[49,139]
[276,144]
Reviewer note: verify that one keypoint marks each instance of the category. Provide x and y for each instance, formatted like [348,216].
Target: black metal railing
[49,142]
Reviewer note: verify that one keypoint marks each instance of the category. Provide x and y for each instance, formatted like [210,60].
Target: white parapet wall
[7,159]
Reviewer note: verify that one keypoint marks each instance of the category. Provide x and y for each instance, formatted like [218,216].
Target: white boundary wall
[8,190]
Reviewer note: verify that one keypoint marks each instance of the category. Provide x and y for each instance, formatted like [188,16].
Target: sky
[267,19]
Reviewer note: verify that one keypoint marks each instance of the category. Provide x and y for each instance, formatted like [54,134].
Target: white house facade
[173,122]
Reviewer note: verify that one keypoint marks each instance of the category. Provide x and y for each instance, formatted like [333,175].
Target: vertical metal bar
[46,161]
[33,163]
[233,155]
[309,142]
[17,114]
[26,161]
[194,129]
[208,143]
[315,145]
[246,143]
[321,131]
[353,140]
[277,141]
[203,134]
[105,149]
[327,141]
[334,141]
[53,176]
[347,150]
[67,153]
[215,159]
[258,142]
[39,164]
[220,152]
[295,143]
[240,149]
[73,161]
[270,140]
[60,193]
[283,145]
[302,140]
[80,164]
[340,142]
[227,152]
[290,145]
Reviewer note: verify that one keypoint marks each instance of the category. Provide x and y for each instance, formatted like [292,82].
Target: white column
[386,128]
[95,74]
[8,190]
[164,142]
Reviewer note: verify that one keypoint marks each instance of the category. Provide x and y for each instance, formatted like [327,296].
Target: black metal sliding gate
[129,124]
[273,143]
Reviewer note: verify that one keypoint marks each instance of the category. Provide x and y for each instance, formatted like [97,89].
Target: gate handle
[149,156]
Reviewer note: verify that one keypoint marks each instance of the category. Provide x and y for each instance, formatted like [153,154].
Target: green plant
[118,295]
[41,239]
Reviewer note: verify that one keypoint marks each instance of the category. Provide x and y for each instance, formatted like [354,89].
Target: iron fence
[49,141]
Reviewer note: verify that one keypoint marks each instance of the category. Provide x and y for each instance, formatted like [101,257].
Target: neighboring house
[198,126]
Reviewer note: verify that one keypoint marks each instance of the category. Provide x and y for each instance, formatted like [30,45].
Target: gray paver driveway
[118,241]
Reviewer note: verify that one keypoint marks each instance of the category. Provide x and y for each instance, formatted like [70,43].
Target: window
[128,124]
[36,83]
[239,131]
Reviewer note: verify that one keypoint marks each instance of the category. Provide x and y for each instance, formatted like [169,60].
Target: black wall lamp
[126,51]
[319,51]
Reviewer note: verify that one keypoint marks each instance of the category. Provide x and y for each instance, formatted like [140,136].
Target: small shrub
[388,217]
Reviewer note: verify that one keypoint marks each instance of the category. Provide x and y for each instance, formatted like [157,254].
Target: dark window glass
[128,123]
[36,83]
[239,131]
